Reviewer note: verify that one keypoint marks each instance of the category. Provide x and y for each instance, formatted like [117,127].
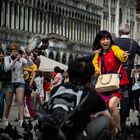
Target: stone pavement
[12,119]
[14,115]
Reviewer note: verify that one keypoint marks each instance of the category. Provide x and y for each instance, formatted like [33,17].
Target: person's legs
[8,101]
[124,104]
[20,100]
[1,104]
[96,127]
[28,103]
[113,103]
[136,98]
[28,99]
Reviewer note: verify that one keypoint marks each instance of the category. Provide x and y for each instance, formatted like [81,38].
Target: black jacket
[125,43]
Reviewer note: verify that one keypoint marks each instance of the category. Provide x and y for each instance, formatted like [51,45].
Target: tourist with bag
[75,111]
[108,60]
[17,83]
[126,43]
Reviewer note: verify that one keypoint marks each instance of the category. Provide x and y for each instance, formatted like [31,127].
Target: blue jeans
[1,103]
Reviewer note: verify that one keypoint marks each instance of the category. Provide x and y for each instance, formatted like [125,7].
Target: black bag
[60,108]
[5,76]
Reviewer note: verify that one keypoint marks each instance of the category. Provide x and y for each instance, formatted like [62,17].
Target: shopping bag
[107,82]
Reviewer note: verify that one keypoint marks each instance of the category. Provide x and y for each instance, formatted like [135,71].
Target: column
[8,15]
[26,19]
[34,20]
[3,14]
[42,23]
[17,16]
[30,20]
[117,18]
[102,20]
[109,15]
[12,15]
[21,17]
[46,23]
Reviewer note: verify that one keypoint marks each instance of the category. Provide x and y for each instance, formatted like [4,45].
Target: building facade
[72,24]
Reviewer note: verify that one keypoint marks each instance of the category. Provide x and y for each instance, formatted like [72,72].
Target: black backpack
[5,76]
[61,107]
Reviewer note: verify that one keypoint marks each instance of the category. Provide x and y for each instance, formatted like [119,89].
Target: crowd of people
[26,79]
[109,56]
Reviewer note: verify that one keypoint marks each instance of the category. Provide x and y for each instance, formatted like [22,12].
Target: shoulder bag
[108,82]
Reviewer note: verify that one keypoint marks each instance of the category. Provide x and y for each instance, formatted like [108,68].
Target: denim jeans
[1,103]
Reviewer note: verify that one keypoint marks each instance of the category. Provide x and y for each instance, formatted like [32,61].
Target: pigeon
[30,126]
[25,125]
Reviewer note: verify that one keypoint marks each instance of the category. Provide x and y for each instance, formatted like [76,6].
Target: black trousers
[127,102]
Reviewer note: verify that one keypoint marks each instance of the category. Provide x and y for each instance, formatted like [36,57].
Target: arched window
[58,57]
[64,59]
[70,58]
[51,55]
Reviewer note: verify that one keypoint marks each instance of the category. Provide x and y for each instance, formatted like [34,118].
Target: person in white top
[39,92]
[15,63]
[58,79]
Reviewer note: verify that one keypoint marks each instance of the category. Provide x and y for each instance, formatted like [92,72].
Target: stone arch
[58,57]
[31,3]
[56,9]
[38,4]
[64,58]
[49,7]
[83,17]
[63,11]
[34,3]
[46,6]
[51,55]
[42,5]
[72,14]
[60,10]
[67,12]
[70,58]
[53,8]
[25,1]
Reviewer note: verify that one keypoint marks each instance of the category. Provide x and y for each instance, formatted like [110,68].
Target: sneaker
[6,122]
[20,123]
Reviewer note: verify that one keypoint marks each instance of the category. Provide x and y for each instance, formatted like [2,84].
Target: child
[39,93]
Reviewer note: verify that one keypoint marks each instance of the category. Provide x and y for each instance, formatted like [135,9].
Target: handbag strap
[117,71]
[119,68]
[131,44]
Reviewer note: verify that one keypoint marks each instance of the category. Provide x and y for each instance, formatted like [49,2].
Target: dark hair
[57,69]
[137,66]
[99,36]
[1,50]
[80,71]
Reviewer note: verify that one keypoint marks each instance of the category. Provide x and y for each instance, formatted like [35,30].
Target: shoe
[20,123]
[6,122]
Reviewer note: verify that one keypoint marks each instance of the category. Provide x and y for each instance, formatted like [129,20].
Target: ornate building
[71,25]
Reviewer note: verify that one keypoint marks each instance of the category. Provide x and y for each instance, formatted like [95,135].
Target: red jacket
[112,64]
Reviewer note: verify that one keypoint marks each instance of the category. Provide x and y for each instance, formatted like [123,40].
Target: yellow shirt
[28,71]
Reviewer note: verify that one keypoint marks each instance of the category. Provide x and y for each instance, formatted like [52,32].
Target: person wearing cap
[15,62]
[132,47]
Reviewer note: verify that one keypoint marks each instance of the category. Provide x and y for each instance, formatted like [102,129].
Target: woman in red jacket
[110,57]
